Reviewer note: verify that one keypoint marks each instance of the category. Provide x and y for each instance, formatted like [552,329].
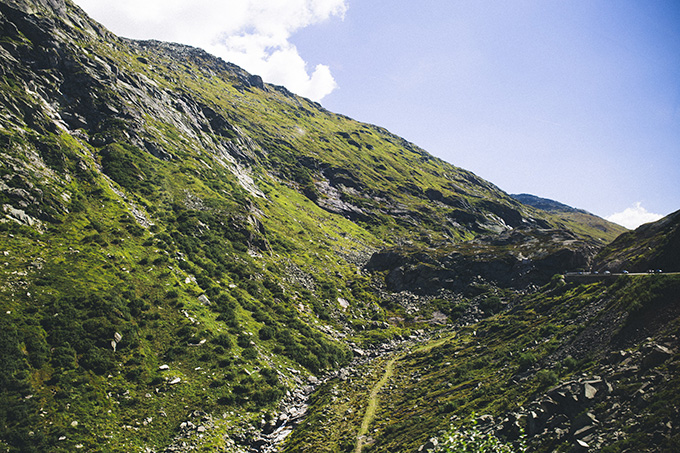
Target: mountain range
[196,260]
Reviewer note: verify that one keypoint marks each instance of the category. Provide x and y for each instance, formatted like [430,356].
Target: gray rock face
[256,81]
[539,254]
[73,93]
[57,7]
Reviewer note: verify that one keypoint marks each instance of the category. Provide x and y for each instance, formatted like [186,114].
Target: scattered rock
[581,444]
[589,391]
[656,356]
[204,300]
[431,445]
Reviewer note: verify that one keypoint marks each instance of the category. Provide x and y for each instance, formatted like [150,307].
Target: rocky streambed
[293,409]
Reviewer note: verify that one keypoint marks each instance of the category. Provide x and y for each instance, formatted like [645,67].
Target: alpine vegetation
[196,260]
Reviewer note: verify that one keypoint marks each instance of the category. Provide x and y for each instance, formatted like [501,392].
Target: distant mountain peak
[578,220]
[545,204]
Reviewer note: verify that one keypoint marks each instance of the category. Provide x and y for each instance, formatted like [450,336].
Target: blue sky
[578,101]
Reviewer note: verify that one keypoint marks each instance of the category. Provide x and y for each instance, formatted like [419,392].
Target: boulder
[656,356]
[589,391]
[256,81]
[204,299]
[430,445]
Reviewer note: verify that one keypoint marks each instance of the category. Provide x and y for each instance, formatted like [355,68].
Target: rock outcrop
[587,412]
[517,259]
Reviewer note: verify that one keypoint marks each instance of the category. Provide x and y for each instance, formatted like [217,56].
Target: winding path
[373,403]
[373,397]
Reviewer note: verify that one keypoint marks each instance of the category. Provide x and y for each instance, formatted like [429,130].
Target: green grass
[479,371]
[130,240]
[373,402]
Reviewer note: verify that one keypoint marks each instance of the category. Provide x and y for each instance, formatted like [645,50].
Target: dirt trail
[373,403]
[389,370]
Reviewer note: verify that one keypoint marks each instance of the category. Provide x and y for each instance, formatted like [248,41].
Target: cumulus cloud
[254,34]
[634,216]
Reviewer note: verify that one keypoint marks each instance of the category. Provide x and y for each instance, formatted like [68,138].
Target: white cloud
[254,34]
[634,216]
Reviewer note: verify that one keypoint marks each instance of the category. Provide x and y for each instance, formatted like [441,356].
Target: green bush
[249,354]
[491,305]
[474,441]
[546,378]
[570,363]
[266,333]
[223,340]
[64,356]
[226,399]
[244,341]
[526,360]
[98,360]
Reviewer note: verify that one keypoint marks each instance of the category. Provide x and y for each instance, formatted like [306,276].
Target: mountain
[652,246]
[573,218]
[590,367]
[545,204]
[195,260]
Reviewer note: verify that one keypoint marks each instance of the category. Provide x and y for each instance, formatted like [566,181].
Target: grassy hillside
[522,372]
[578,220]
[188,250]
[652,246]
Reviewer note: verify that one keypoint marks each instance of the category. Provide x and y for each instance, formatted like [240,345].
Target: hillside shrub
[244,341]
[97,360]
[223,340]
[64,356]
[491,305]
[570,363]
[546,378]
[266,333]
[472,440]
[526,360]
[249,354]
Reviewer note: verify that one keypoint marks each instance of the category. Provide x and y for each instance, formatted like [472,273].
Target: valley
[195,260]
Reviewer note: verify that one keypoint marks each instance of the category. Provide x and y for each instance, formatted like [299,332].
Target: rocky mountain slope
[567,368]
[653,246]
[575,219]
[545,204]
[193,258]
